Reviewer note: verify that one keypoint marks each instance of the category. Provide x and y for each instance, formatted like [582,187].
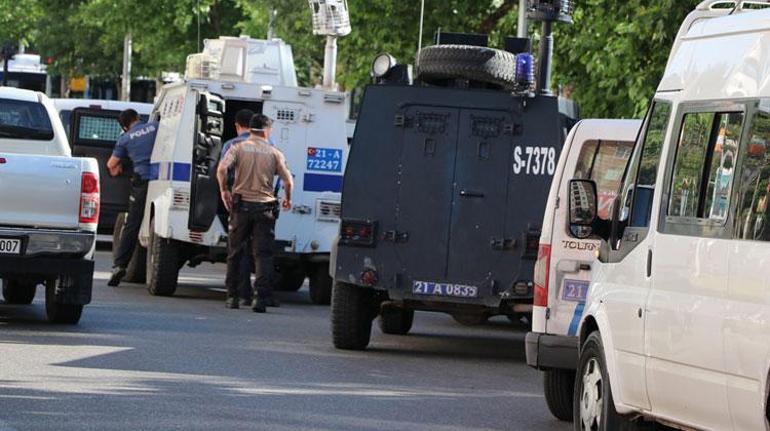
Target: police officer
[135,144]
[253,209]
[242,119]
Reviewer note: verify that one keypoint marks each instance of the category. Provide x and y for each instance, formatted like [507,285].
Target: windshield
[24,120]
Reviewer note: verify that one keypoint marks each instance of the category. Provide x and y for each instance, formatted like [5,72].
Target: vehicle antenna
[198,15]
[419,40]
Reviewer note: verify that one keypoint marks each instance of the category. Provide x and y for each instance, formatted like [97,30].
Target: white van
[676,326]
[598,150]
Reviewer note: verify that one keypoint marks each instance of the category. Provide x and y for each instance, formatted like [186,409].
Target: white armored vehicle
[184,220]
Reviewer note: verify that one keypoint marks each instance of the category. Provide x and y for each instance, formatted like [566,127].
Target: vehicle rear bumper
[547,351]
[78,273]
[38,242]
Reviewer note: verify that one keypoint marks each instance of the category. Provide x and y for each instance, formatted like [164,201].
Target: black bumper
[546,351]
[77,281]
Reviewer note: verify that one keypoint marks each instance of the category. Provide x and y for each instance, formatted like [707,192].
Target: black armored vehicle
[446,184]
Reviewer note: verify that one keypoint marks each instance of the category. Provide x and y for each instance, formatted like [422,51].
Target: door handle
[471,194]
[649,263]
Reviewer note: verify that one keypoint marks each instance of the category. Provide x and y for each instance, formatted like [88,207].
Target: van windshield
[21,119]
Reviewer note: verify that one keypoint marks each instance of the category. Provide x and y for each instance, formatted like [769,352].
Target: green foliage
[18,19]
[613,56]
[615,52]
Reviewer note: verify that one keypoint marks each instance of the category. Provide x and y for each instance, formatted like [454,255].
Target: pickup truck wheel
[559,387]
[320,283]
[467,319]
[593,407]
[163,257]
[18,293]
[291,278]
[396,321]
[352,315]
[68,314]
[137,267]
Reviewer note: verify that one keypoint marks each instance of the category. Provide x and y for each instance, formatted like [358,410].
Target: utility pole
[125,86]
[521,28]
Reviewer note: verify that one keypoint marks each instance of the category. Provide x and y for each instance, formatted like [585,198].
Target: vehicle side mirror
[582,206]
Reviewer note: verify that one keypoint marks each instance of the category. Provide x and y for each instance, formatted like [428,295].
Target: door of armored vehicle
[472,184]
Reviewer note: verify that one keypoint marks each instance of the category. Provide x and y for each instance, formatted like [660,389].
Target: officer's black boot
[117,275]
[258,306]
[232,303]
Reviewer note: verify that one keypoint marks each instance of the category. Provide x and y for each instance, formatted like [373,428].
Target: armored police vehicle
[445,187]
[184,220]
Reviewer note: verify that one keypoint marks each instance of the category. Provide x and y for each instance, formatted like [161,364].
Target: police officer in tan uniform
[253,209]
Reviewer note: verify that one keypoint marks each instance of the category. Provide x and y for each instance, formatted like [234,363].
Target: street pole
[125,87]
[522,30]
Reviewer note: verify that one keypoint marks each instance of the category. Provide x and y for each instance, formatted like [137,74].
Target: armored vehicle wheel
[352,314]
[475,63]
[291,278]
[395,320]
[559,386]
[467,319]
[18,293]
[137,268]
[320,283]
[163,257]
[68,314]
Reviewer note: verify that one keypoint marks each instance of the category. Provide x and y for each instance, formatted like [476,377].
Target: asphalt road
[140,362]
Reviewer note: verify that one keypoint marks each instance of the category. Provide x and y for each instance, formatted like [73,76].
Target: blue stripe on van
[573,326]
[181,172]
[322,183]
[154,171]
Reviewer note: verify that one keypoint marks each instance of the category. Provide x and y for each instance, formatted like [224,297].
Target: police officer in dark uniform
[135,144]
[253,209]
[242,119]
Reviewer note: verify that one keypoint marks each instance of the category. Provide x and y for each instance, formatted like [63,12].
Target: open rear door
[93,133]
[204,192]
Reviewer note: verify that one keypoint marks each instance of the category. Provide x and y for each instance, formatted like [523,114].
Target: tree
[18,20]
[615,52]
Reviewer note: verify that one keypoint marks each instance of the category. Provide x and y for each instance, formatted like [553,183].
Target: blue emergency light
[525,70]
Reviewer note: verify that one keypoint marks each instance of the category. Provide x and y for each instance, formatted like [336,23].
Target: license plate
[444,289]
[324,159]
[10,246]
[575,290]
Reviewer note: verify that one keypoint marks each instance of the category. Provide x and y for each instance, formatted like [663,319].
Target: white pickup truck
[49,208]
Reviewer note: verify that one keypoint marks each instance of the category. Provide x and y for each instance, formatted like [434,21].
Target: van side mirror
[582,206]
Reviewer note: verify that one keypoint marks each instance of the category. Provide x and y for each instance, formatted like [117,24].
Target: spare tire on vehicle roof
[474,63]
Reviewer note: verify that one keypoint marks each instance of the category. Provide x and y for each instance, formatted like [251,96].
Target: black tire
[468,319]
[136,272]
[559,388]
[163,264]
[396,321]
[475,63]
[68,314]
[352,313]
[291,278]
[18,292]
[320,283]
[592,365]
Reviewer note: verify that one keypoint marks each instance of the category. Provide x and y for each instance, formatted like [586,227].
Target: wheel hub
[591,396]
